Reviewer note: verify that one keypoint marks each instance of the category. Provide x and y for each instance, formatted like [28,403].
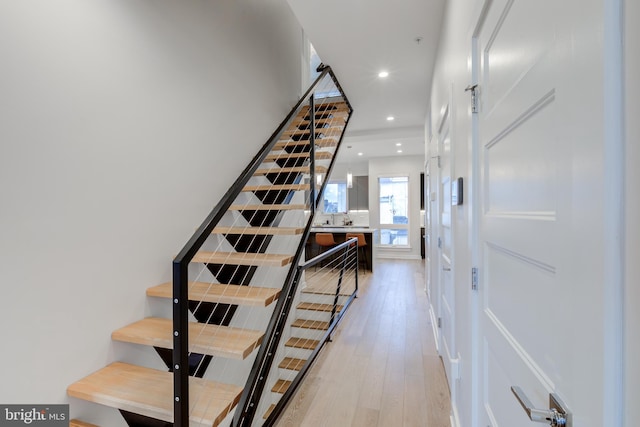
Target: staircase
[312,320]
[255,234]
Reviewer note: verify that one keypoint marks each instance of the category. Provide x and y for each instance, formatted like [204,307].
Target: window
[394,211]
[314,62]
[335,197]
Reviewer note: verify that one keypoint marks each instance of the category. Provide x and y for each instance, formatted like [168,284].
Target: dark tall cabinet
[359,193]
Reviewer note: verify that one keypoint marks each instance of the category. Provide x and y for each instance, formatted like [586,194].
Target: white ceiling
[358,39]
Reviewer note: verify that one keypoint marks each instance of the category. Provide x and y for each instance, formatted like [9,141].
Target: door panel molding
[522,258]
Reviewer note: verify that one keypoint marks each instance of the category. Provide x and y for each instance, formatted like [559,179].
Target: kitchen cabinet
[358,197]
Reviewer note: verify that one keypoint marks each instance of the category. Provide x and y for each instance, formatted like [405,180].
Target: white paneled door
[541,231]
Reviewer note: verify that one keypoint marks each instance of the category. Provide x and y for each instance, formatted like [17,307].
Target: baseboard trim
[455,419]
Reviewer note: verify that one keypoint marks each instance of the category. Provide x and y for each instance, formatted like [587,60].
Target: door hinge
[474,97]
[439,322]
[440,243]
[474,278]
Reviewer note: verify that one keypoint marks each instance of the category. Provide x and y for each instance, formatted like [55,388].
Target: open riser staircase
[234,286]
[326,292]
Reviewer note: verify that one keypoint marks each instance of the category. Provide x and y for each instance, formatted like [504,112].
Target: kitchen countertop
[371,236]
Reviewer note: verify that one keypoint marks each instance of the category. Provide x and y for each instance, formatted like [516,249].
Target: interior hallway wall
[123,123]
[452,75]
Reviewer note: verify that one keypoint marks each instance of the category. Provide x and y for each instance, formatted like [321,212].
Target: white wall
[451,76]
[123,123]
[632,271]
[410,166]
[340,170]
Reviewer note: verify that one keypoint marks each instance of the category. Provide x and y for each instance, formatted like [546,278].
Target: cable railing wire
[260,249]
[181,262]
[341,268]
[253,389]
[248,226]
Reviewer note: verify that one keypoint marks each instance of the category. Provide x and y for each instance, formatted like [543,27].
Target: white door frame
[474,221]
[434,227]
[614,160]
[632,212]
[447,291]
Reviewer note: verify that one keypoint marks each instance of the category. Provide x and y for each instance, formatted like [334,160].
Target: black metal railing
[344,261]
[181,262]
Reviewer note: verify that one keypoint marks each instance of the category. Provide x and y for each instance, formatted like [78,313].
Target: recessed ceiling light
[390,118]
[399,151]
[398,144]
[383,74]
[360,154]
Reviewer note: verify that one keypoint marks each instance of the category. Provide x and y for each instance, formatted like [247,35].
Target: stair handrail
[181,261]
[281,311]
[249,400]
[336,316]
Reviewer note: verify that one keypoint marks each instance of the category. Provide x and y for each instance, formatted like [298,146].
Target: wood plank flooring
[381,369]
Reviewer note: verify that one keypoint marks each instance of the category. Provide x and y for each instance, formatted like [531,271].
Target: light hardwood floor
[381,369]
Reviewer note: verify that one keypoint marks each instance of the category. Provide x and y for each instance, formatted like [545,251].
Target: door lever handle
[557,415]
[446,268]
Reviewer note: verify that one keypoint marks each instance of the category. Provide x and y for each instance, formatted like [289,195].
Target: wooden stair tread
[262,231]
[320,155]
[328,121]
[149,392]
[326,290]
[323,115]
[281,386]
[292,363]
[304,343]
[310,324]
[214,340]
[222,293]
[79,423]
[318,307]
[269,411]
[243,258]
[277,187]
[296,169]
[266,207]
[322,131]
[324,142]
[328,106]
[334,107]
